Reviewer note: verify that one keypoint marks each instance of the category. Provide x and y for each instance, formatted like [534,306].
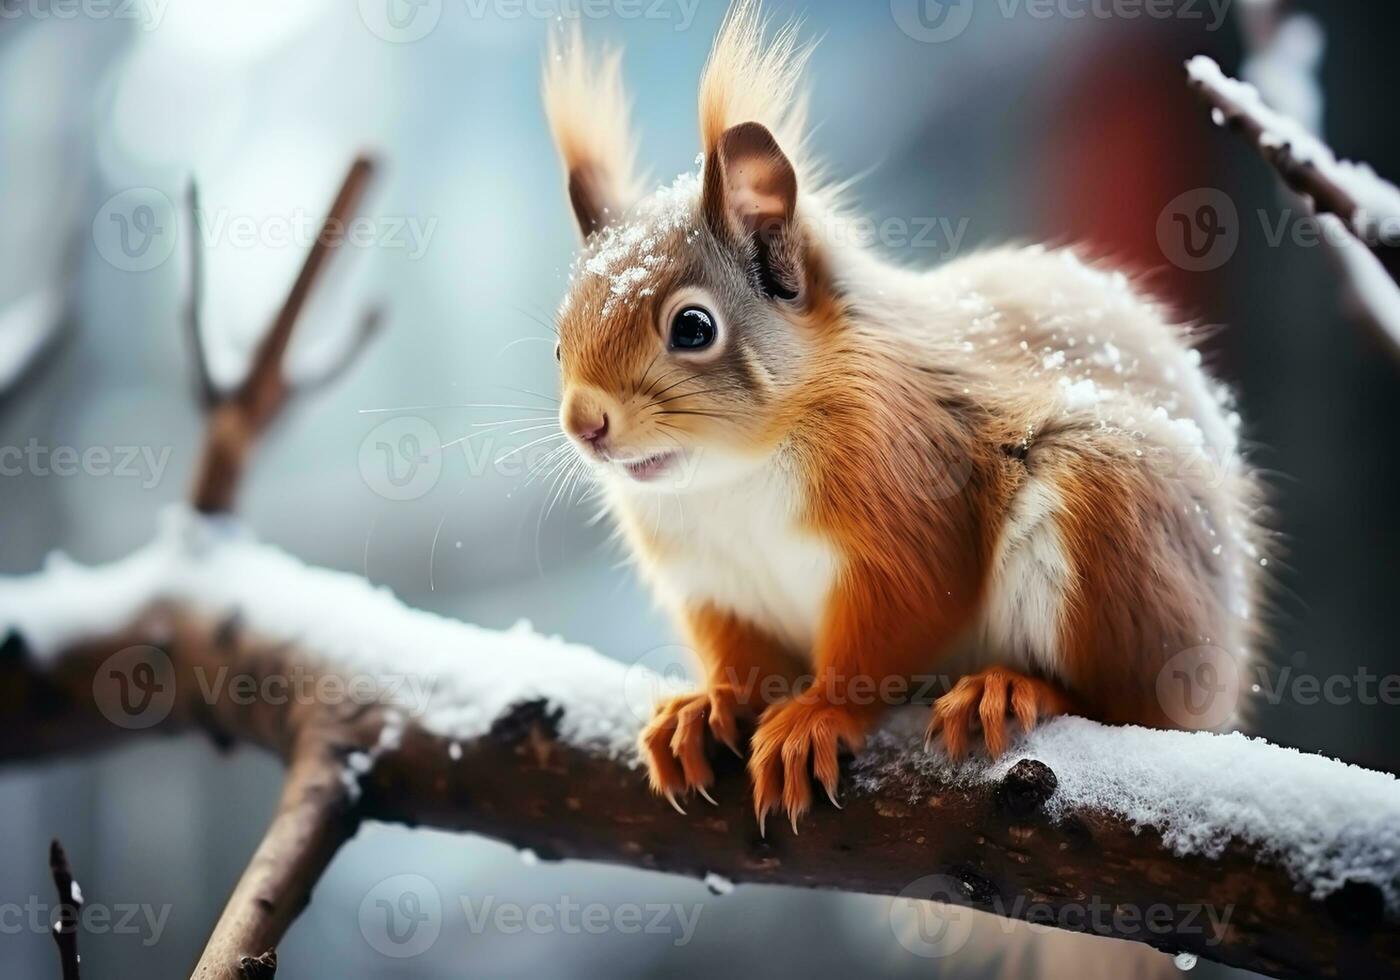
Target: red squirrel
[841,475]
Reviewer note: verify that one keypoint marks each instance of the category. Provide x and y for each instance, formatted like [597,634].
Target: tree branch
[1303,163]
[205,387]
[237,420]
[1364,208]
[314,817]
[70,904]
[545,762]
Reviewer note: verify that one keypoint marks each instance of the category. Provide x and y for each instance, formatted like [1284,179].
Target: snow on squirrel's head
[690,311]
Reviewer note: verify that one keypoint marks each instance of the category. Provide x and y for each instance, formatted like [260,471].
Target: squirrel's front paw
[989,699]
[674,745]
[791,737]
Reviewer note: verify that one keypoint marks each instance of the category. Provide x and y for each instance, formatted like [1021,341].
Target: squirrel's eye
[693,328]
[559,353]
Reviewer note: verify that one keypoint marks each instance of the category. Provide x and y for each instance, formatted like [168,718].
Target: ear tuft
[748,80]
[589,115]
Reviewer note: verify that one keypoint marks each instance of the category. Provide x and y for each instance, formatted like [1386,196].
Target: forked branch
[238,418]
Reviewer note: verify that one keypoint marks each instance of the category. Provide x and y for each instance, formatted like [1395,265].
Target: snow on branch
[1270,859]
[1356,206]
[27,328]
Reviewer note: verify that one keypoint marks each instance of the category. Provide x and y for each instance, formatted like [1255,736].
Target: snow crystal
[1080,394]
[626,255]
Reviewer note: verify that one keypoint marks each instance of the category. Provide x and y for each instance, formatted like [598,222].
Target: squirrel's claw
[790,737]
[988,700]
[674,744]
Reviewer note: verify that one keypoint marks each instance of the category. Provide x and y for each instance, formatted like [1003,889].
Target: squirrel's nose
[593,430]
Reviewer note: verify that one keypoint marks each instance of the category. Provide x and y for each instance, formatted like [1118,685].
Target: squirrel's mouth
[648,468]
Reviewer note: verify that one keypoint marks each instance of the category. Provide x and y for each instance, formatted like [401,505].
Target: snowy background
[1057,128]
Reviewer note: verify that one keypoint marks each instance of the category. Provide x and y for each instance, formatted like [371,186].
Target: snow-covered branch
[1257,856]
[1359,209]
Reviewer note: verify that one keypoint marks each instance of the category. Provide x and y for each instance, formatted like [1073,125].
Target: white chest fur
[741,548]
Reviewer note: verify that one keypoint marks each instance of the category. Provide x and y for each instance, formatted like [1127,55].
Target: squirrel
[841,475]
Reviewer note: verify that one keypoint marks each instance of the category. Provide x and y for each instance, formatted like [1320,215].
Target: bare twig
[365,332]
[314,817]
[70,904]
[206,390]
[236,420]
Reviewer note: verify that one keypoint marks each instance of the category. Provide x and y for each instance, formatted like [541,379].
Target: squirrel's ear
[589,116]
[750,199]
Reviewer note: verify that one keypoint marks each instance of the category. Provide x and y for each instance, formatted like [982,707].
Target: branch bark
[70,904]
[238,419]
[990,846]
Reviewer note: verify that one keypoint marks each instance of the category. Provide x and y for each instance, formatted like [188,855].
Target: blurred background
[1066,122]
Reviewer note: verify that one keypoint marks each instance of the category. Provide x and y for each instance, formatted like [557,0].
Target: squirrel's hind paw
[989,699]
